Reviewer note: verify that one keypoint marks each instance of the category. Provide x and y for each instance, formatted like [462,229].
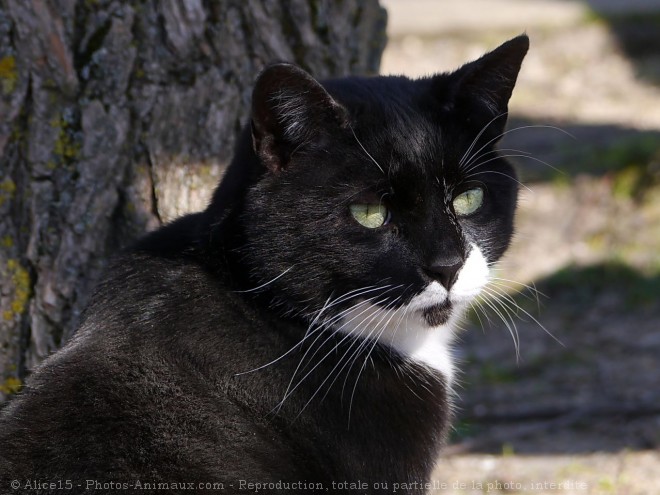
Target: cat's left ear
[488,82]
[290,109]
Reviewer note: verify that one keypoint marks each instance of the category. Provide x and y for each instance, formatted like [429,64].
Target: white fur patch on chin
[405,329]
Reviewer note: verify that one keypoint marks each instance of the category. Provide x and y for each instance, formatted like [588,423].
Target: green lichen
[65,149]
[8,74]
[508,450]
[17,131]
[606,485]
[7,190]
[7,186]
[206,171]
[22,290]
[7,242]
[495,375]
[11,385]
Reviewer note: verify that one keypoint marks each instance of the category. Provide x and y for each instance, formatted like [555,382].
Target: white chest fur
[405,330]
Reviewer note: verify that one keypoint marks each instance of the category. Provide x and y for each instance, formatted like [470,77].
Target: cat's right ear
[482,88]
[289,109]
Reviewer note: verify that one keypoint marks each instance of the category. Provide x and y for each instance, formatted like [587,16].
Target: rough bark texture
[116,117]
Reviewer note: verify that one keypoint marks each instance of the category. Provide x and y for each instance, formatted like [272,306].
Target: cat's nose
[445,272]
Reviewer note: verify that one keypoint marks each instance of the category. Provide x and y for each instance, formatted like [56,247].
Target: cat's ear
[289,109]
[488,82]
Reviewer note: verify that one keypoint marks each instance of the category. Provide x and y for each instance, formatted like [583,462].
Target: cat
[295,335]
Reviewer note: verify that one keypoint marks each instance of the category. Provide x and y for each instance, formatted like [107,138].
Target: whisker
[496,151]
[405,365]
[361,341]
[398,325]
[474,141]
[308,334]
[531,288]
[503,284]
[385,289]
[365,150]
[510,324]
[290,388]
[359,292]
[318,314]
[500,173]
[523,127]
[329,337]
[267,283]
[328,324]
[366,339]
[476,305]
[529,157]
[529,315]
[298,344]
[356,340]
[364,363]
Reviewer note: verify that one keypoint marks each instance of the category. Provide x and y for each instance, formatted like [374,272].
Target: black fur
[165,381]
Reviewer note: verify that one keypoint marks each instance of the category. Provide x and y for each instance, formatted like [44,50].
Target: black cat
[296,334]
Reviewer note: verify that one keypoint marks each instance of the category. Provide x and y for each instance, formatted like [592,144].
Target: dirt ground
[560,390]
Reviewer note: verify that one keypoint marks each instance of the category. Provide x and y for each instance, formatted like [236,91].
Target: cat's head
[380,192]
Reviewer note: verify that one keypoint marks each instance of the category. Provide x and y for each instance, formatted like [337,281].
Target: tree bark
[118,116]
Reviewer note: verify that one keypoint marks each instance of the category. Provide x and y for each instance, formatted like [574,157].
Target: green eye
[371,216]
[468,202]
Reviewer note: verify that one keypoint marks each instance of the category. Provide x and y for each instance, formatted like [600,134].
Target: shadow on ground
[587,376]
[562,151]
[637,32]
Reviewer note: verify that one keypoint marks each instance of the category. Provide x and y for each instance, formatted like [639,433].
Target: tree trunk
[118,116]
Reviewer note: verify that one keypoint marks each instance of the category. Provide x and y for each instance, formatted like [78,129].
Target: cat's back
[145,387]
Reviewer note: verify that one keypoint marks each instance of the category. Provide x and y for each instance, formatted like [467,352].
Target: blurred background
[576,397]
